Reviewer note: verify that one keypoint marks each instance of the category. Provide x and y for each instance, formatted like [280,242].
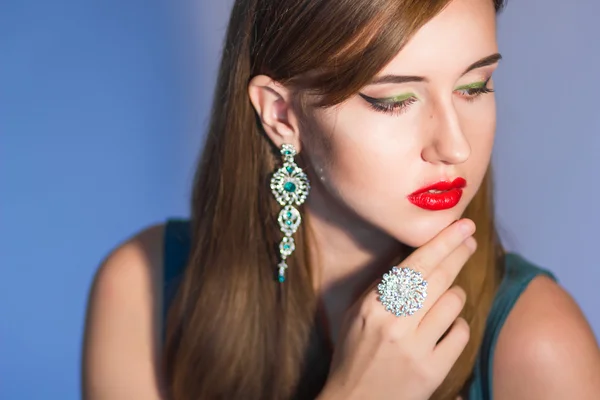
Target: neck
[349,253]
[348,256]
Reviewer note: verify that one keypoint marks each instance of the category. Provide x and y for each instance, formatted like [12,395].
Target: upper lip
[457,183]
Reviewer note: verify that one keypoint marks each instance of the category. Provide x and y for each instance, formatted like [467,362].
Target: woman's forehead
[461,34]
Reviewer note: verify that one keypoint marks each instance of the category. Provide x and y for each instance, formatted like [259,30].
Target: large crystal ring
[402,291]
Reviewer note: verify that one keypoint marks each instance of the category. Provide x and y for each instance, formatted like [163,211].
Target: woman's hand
[382,356]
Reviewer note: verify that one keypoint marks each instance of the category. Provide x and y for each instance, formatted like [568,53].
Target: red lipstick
[439,196]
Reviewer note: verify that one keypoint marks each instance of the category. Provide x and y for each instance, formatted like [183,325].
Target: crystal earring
[289,185]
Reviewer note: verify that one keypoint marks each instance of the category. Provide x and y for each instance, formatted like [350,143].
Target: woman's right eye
[390,107]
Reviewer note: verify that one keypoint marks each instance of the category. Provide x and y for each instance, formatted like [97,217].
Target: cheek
[369,164]
[363,151]
[364,161]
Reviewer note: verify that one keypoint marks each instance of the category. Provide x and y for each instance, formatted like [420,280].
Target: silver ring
[402,291]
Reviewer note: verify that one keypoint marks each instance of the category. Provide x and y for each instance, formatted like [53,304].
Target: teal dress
[518,273]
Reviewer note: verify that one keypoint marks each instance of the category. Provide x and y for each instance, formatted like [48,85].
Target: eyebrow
[484,62]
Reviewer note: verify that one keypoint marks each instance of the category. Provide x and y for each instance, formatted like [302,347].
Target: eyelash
[397,108]
[474,93]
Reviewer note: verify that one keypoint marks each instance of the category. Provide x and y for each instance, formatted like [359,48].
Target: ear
[273,104]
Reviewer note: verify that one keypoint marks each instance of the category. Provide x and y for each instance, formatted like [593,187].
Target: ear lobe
[273,105]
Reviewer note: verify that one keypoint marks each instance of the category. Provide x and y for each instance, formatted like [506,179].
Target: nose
[446,143]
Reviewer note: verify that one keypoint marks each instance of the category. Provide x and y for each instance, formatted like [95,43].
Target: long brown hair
[233,332]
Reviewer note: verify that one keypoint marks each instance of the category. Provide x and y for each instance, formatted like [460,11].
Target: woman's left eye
[471,92]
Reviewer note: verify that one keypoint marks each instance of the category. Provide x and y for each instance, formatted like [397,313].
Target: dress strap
[519,272]
[176,252]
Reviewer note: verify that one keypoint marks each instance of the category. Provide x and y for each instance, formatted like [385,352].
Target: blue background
[91,142]
[102,111]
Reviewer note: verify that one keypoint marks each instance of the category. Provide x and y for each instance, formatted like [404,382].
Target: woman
[346,137]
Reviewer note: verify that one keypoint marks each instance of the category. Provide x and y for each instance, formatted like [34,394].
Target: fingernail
[471,243]
[466,227]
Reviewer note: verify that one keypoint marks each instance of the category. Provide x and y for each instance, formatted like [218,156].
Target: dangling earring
[289,186]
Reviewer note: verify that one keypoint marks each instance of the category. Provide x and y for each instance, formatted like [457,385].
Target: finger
[437,286]
[444,275]
[442,315]
[430,253]
[452,345]
[439,280]
[427,257]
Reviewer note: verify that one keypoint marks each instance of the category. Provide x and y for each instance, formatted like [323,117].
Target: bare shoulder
[123,321]
[546,349]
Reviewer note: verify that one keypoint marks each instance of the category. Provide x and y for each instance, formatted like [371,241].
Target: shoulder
[134,261]
[546,349]
[131,272]
[123,320]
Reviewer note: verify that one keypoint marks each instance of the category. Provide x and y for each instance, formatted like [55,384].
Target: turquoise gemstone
[289,214]
[288,222]
[286,246]
[289,187]
[281,278]
[287,152]
[289,169]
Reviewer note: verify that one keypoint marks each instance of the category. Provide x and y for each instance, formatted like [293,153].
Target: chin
[420,229]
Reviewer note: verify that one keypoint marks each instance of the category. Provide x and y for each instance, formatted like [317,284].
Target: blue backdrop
[91,137]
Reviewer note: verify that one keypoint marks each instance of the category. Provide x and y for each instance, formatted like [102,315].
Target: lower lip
[436,201]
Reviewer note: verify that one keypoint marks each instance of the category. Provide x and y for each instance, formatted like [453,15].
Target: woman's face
[393,138]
